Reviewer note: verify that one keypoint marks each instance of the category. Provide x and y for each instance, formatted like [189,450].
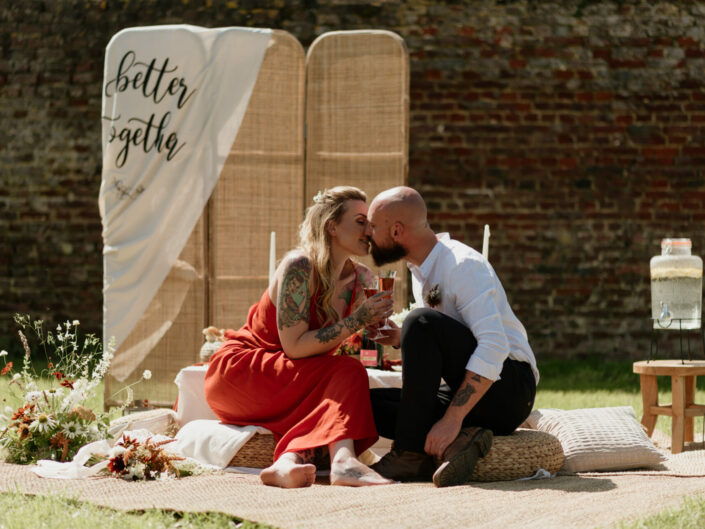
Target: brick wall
[576,129]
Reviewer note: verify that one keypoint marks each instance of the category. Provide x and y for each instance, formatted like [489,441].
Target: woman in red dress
[278,370]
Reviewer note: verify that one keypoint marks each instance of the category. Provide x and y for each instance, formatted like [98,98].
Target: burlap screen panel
[179,307]
[260,189]
[357,117]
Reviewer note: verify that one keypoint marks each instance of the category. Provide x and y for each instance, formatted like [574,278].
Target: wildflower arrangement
[133,460]
[50,420]
[351,345]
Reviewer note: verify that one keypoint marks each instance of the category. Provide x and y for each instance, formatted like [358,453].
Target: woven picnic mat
[564,501]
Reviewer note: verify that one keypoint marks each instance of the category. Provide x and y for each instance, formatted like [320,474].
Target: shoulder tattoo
[294,302]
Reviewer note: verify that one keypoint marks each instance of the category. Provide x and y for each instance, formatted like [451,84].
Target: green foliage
[690,515]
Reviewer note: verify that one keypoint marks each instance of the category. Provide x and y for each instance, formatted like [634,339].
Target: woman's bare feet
[346,469]
[353,473]
[289,472]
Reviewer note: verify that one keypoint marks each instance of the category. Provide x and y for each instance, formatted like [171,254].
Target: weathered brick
[577,206]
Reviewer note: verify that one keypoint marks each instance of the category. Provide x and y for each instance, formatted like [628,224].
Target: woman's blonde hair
[315,241]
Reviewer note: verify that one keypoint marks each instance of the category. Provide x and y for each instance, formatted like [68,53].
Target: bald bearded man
[464,333]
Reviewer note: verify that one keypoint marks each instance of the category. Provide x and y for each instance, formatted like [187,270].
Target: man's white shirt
[471,293]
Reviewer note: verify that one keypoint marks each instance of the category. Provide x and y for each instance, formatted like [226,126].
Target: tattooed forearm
[359,319]
[463,395]
[294,303]
[326,334]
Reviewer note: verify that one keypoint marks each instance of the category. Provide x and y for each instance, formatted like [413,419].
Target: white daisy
[33,396]
[3,353]
[147,374]
[76,322]
[71,430]
[92,432]
[43,423]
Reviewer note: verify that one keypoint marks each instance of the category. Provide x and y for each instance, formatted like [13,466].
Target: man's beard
[385,255]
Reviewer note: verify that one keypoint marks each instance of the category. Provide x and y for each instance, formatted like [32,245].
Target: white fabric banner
[173,100]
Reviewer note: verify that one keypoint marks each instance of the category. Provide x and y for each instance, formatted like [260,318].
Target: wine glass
[386,283]
[369,292]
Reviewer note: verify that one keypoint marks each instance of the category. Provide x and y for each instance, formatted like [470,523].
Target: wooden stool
[682,409]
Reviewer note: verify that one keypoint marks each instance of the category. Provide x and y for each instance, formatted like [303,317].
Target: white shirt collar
[425,268]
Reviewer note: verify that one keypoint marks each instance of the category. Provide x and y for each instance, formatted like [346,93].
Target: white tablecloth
[192,403]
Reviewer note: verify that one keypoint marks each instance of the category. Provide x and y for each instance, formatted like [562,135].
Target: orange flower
[67,383]
[24,431]
[6,369]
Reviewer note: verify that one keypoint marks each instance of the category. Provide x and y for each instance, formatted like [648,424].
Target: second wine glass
[386,283]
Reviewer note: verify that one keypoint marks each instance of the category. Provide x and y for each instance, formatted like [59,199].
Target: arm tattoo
[463,395]
[361,318]
[294,302]
[326,334]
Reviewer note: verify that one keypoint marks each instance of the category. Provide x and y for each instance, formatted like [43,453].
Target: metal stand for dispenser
[653,350]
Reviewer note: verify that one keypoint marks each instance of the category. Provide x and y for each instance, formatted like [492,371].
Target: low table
[192,401]
[682,408]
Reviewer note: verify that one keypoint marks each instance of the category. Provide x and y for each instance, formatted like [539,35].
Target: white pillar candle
[486,242]
[272,254]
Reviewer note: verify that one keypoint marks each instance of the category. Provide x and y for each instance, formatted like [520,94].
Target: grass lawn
[564,384]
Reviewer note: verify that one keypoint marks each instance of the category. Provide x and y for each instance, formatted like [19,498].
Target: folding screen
[357,134]
[261,187]
[357,117]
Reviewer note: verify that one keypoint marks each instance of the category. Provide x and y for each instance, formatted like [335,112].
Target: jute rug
[577,501]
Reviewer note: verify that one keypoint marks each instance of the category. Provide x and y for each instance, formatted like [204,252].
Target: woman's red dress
[306,403]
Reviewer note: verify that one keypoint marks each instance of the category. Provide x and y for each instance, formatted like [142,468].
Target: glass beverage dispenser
[676,286]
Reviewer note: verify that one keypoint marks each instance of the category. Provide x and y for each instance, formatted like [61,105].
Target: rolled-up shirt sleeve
[475,302]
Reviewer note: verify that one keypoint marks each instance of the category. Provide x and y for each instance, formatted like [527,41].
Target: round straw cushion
[519,455]
[258,452]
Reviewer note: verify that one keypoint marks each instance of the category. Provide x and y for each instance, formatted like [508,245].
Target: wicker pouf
[515,456]
[519,455]
[258,452]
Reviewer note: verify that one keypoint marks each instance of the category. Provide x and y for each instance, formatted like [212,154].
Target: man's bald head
[399,204]
[398,228]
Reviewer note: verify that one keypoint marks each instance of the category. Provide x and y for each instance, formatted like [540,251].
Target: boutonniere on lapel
[433,296]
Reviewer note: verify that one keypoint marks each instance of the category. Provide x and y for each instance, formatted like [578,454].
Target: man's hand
[390,337]
[446,430]
[442,434]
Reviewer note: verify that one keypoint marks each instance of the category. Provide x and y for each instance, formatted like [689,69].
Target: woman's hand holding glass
[376,308]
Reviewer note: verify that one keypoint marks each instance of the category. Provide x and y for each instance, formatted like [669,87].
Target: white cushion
[598,438]
[212,442]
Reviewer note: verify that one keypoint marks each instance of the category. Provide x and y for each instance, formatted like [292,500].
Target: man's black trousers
[436,346]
